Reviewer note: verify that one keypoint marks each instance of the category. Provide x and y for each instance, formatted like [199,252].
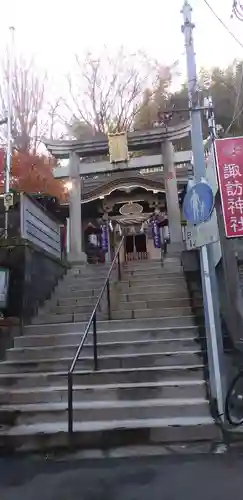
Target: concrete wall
[39,226]
[230,281]
[229,284]
[33,275]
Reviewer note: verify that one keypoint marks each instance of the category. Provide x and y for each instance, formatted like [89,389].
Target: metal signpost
[209,284]
[203,234]
[198,203]
[199,211]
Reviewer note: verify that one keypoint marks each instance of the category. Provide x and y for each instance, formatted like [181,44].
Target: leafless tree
[105,92]
[33,117]
[54,124]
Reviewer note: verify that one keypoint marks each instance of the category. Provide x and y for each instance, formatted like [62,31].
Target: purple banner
[156,234]
[104,237]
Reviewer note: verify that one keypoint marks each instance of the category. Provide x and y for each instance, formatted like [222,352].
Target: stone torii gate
[79,150]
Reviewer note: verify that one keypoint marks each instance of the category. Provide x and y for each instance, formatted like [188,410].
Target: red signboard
[2,160]
[230,173]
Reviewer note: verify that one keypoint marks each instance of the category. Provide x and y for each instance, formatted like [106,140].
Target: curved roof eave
[114,185]
[137,141]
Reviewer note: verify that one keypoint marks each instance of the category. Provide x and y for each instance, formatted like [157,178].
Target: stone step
[25,380]
[78,280]
[131,305]
[110,410]
[144,273]
[95,274]
[153,271]
[73,301]
[83,285]
[169,279]
[153,288]
[144,295]
[190,357]
[88,272]
[151,313]
[103,434]
[151,264]
[111,348]
[114,325]
[89,268]
[51,339]
[51,318]
[73,280]
[96,284]
[153,268]
[150,373]
[67,294]
[108,392]
[153,304]
[70,309]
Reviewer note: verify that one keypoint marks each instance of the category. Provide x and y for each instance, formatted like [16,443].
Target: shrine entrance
[133,224]
[135,247]
[169,169]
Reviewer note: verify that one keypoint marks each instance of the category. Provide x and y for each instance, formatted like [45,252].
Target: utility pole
[208,275]
[213,128]
[9,126]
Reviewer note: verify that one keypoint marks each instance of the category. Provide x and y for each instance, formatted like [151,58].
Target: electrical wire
[236,113]
[223,24]
[237,10]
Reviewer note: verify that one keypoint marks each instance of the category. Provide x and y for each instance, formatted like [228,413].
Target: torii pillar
[172,199]
[76,251]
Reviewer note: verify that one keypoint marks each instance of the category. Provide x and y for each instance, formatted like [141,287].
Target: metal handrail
[92,319]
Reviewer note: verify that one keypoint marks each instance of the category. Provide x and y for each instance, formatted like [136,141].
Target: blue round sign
[198,203]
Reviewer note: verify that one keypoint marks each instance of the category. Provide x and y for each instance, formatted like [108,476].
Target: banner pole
[9,125]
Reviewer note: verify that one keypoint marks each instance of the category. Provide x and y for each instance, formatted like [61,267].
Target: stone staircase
[150,386]
[75,295]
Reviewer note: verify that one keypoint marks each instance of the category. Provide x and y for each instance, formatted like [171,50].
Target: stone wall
[33,275]
[191,267]
[229,282]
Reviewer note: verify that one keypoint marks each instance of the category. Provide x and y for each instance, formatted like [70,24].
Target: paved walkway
[211,477]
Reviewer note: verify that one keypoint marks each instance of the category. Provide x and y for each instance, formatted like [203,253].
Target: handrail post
[92,320]
[70,403]
[119,266]
[95,343]
[108,299]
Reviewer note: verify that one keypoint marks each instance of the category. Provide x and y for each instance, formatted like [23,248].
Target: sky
[53,30]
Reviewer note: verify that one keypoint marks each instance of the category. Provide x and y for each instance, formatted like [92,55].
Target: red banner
[230,173]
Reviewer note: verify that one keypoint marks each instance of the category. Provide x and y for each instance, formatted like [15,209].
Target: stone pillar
[76,254]
[172,200]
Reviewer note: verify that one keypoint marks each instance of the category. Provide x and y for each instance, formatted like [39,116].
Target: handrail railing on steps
[92,321]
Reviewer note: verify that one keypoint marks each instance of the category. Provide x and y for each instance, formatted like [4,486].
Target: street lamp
[68,186]
[237,9]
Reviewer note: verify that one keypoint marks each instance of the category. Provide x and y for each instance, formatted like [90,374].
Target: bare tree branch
[105,93]
[33,117]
